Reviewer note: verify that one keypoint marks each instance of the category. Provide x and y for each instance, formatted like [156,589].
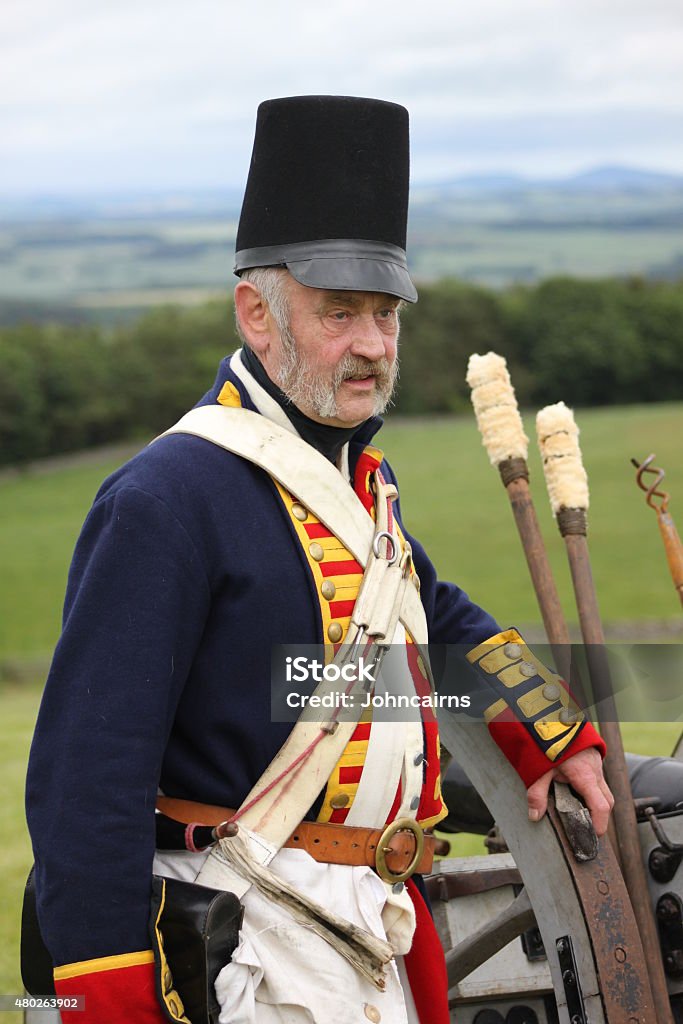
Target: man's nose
[368,340]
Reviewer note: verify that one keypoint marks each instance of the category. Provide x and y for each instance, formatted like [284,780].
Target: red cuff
[527,758]
[116,989]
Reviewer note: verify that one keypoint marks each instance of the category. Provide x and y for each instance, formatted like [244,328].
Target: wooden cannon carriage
[537,935]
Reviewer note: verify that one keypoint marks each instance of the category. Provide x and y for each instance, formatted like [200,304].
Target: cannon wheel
[585,901]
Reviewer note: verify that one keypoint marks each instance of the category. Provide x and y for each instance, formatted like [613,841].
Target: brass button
[299,512]
[512,650]
[372,1013]
[175,1007]
[334,632]
[551,691]
[328,590]
[316,551]
[340,800]
[527,669]
[568,717]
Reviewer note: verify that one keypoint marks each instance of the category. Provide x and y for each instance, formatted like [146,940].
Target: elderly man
[205,552]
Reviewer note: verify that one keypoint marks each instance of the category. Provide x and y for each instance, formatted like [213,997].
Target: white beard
[307,389]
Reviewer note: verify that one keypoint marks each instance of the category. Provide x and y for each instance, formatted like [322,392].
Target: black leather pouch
[194,931]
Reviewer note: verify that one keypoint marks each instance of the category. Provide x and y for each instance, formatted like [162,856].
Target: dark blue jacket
[186,572]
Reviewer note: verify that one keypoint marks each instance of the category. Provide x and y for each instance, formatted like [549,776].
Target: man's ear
[254,317]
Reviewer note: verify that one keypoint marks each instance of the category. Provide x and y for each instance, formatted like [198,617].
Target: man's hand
[583,772]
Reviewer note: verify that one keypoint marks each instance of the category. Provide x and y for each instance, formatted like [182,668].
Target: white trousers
[281,971]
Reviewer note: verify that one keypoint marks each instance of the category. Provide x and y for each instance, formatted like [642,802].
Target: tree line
[588,342]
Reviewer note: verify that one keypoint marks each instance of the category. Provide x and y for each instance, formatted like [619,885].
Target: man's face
[337,363]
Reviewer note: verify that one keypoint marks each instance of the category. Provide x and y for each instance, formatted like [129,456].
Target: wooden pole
[568,490]
[515,476]
[508,452]
[616,772]
[673,547]
[502,432]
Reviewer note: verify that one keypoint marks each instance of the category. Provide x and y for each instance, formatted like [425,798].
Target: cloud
[151,91]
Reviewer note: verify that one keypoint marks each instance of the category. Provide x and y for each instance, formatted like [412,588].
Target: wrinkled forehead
[322,298]
[356,299]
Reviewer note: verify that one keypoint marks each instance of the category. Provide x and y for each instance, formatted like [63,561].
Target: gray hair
[271,283]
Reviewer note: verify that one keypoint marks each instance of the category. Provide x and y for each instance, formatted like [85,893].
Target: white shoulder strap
[283,794]
[301,470]
[305,473]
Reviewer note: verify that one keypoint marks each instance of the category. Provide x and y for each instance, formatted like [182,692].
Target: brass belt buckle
[401,825]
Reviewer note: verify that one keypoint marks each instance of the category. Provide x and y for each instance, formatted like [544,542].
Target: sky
[162,94]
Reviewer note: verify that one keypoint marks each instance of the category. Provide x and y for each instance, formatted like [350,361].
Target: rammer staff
[502,432]
[567,485]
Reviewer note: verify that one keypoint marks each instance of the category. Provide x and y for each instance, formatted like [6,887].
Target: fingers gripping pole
[500,424]
[567,483]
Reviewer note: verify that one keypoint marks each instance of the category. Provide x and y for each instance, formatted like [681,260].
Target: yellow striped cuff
[104,963]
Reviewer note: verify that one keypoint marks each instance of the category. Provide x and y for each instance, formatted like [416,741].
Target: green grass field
[452,499]
[40,517]
[495,255]
[19,708]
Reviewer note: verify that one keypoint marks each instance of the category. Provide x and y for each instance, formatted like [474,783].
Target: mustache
[357,367]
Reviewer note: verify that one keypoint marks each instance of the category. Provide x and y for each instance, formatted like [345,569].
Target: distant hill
[174,203]
[111,255]
[610,178]
[129,206]
[624,177]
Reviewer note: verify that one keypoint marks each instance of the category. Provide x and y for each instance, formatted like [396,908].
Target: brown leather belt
[395,852]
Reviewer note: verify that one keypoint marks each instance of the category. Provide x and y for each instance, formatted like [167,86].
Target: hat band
[319,249]
[356,264]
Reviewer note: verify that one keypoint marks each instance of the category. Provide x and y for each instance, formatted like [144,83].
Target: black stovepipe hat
[327,194]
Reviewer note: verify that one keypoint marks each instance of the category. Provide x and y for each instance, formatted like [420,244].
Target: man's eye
[386,314]
[340,314]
